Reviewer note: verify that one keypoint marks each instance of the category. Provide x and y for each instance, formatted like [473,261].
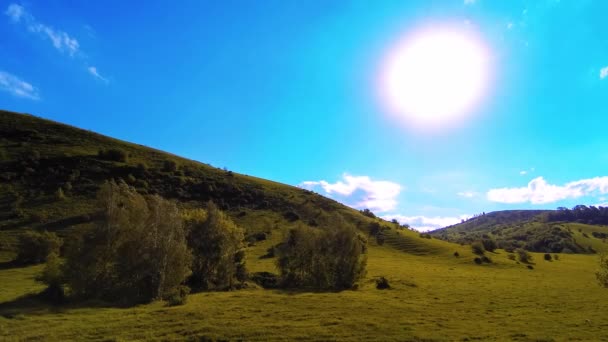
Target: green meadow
[432,297]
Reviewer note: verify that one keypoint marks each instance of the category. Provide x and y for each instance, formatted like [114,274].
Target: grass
[438,297]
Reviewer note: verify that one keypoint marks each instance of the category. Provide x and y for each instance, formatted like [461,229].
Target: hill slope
[50,172]
[534,230]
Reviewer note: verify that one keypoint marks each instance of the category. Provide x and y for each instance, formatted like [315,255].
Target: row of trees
[144,248]
[581,213]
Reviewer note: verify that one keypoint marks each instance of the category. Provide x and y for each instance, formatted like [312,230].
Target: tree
[334,258]
[217,245]
[34,247]
[136,252]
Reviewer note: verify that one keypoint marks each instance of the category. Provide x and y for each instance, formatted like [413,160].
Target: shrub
[35,247]
[136,251]
[266,280]
[456,254]
[334,258]
[216,243]
[511,256]
[477,248]
[555,256]
[602,273]
[523,255]
[425,235]
[489,245]
[478,261]
[368,213]
[486,259]
[382,283]
[169,166]
[52,277]
[548,257]
[113,154]
[530,267]
[178,296]
[59,195]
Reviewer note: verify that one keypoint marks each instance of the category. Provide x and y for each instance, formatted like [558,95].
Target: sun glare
[435,77]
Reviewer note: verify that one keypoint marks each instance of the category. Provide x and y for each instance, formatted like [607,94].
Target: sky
[296,92]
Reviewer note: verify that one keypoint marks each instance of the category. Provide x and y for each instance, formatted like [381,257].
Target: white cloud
[604,72]
[15,12]
[424,223]
[523,172]
[93,71]
[14,85]
[470,2]
[538,191]
[467,194]
[60,39]
[360,192]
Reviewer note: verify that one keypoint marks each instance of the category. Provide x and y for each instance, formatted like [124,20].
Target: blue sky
[288,90]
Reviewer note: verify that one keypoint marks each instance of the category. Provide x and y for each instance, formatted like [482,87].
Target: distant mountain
[549,231]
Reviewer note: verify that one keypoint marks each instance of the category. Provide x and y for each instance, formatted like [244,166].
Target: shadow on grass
[39,304]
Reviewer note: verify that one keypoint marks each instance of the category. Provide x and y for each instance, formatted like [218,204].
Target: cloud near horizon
[424,223]
[16,86]
[360,192]
[538,191]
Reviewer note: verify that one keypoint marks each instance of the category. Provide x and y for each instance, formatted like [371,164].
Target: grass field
[434,297]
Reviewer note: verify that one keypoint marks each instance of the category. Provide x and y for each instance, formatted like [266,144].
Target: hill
[548,231]
[50,173]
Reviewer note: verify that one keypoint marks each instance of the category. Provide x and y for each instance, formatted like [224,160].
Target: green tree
[334,258]
[34,247]
[136,252]
[217,245]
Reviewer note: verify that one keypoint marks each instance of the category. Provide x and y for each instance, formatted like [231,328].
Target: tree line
[145,248]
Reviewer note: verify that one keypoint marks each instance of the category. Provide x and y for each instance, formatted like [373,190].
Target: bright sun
[435,77]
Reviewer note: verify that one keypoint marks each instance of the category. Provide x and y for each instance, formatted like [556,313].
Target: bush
[179,296]
[602,272]
[334,258]
[548,257]
[555,256]
[35,247]
[530,267]
[425,235]
[59,195]
[478,261]
[489,245]
[456,254]
[477,248]
[266,280]
[169,166]
[52,277]
[216,243]
[136,252]
[382,284]
[113,154]
[511,256]
[523,255]
[486,259]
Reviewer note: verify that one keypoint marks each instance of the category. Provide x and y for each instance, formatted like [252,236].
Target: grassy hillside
[528,229]
[39,158]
